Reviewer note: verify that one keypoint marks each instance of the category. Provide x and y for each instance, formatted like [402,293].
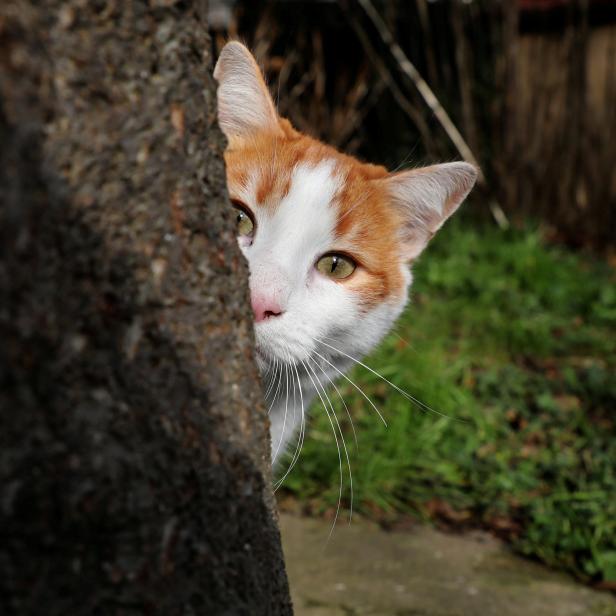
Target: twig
[408,68]
[352,123]
[404,104]
[498,214]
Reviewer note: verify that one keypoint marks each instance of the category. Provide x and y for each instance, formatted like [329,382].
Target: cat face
[328,239]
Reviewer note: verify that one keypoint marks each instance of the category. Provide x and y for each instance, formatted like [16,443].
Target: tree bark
[134,465]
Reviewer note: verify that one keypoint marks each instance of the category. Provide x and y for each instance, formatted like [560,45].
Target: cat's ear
[426,198]
[245,106]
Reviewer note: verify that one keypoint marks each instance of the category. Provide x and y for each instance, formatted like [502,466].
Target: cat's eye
[244,220]
[336,266]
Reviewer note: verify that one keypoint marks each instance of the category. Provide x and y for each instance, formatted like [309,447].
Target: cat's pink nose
[264,307]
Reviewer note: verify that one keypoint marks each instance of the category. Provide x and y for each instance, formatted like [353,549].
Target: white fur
[282,256]
[318,313]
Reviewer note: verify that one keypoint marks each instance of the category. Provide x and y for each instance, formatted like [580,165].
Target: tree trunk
[134,465]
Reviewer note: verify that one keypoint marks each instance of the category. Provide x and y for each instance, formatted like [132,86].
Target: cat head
[329,239]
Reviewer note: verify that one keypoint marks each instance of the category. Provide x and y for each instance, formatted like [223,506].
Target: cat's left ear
[245,106]
[425,198]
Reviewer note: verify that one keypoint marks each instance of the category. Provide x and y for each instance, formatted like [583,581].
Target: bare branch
[409,69]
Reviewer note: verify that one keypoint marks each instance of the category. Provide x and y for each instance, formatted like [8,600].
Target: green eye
[336,266]
[245,224]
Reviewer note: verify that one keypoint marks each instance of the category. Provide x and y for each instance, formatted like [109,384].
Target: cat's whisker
[289,366]
[303,417]
[274,162]
[278,391]
[401,391]
[279,381]
[290,193]
[346,452]
[286,409]
[271,380]
[276,375]
[346,408]
[302,431]
[353,207]
[269,389]
[408,344]
[406,158]
[316,387]
[357,387]
[271,370]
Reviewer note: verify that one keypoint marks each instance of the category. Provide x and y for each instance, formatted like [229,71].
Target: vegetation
[515,342]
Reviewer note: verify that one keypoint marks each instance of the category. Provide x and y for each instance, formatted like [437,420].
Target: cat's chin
[265,359]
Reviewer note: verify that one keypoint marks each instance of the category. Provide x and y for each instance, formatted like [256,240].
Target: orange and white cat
[329,241]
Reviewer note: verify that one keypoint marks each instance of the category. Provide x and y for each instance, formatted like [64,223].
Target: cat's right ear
[245,106]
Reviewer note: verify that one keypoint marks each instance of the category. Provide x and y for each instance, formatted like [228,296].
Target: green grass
[515,342]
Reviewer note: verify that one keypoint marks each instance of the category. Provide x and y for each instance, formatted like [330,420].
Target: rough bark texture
[133,459]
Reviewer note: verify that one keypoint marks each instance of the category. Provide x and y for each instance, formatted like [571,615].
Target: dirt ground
[364,570]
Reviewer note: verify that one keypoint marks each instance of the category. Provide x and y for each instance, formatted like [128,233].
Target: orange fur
[384,220]
[308,201]
[367,226]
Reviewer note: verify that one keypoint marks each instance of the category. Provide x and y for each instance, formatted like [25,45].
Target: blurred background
[511,336]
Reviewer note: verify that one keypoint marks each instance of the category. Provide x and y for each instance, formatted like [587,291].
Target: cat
[329,242]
